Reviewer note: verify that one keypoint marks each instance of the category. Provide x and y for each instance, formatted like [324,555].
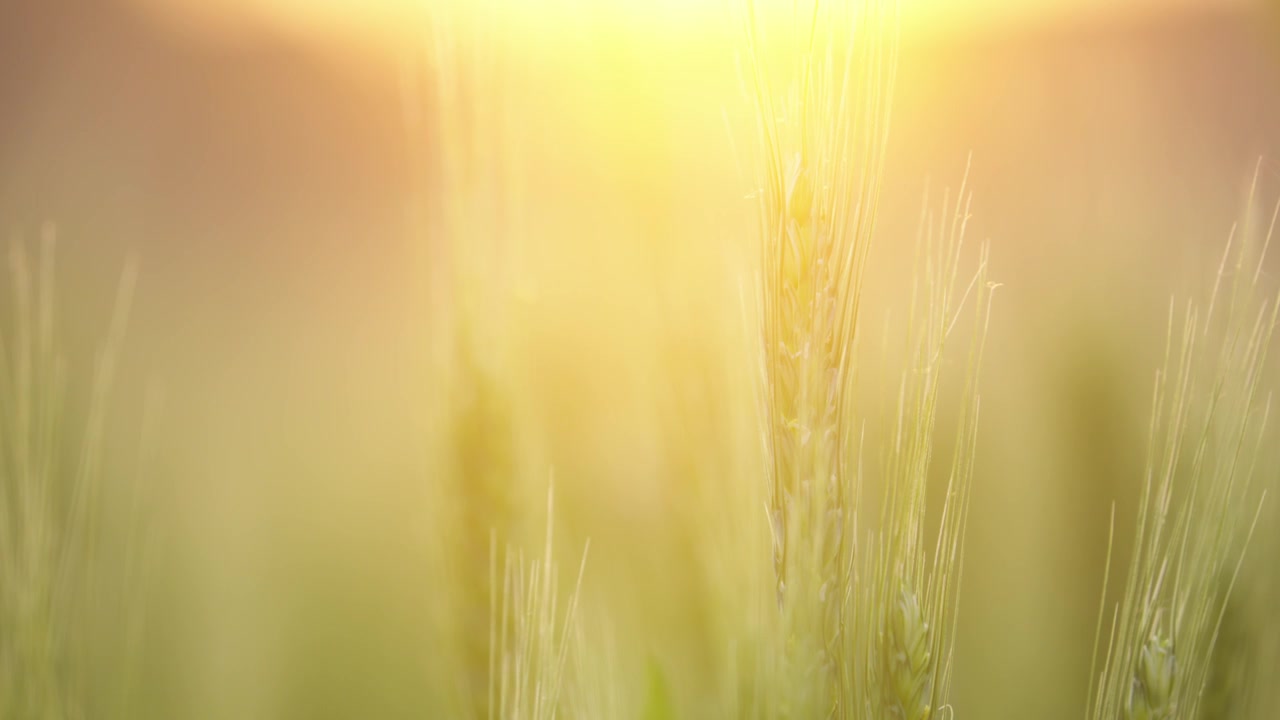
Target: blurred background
[260,161]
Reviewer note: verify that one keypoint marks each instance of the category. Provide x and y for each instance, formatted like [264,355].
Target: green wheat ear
[821,77]
[1152,696]
[907,659]
[1198,505]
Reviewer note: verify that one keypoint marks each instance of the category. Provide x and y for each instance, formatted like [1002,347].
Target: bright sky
[371,20]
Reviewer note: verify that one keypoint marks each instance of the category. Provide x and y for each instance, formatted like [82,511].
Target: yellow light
[378,20]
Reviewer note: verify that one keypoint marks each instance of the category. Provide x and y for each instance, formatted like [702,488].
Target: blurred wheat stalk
[505,628]
[64,569]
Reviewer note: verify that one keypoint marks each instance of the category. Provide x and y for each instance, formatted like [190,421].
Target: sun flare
[375,21]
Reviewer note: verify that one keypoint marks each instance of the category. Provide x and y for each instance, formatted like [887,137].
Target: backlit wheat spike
[907,659]
[1198,505]
[912,594]
[823,137]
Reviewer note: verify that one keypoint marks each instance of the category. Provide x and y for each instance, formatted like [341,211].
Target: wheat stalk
[532,637]
[53,540]
[823,150]
[880,648]
[912,598]
[1208,423]
[822,129]
[472,197]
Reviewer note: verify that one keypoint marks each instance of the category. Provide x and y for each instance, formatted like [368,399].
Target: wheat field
[866,359]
